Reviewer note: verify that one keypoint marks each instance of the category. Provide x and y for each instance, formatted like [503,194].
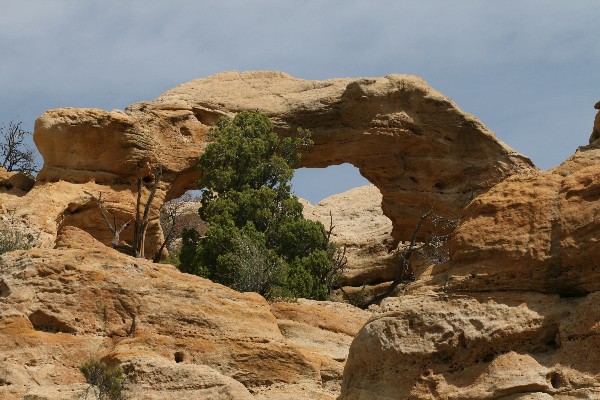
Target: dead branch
[331,226]
[172,212]
[141,223]
[113,228]
[406,273]
[15,155]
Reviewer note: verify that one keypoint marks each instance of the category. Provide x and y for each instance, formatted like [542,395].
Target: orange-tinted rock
[417,146]
[15,183]
[168,330]
[512,315]
[535,232]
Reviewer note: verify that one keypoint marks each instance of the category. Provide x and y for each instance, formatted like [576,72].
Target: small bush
[105,383]
[12,236]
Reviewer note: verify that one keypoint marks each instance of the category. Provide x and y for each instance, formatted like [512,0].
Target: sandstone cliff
[515,312]
[175,335]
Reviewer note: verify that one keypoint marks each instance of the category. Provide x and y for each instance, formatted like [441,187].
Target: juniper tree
[257,238]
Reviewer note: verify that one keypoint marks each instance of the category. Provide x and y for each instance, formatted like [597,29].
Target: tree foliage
[105,383]
[257,239]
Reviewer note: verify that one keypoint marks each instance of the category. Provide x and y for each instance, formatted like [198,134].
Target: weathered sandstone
[169,331]
[477,346]
[418,147]
[360,226]
[512,315]
[15,183]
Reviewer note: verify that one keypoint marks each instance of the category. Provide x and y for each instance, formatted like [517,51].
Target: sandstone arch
[418,147]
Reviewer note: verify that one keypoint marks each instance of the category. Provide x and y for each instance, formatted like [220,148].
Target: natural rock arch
[418,147]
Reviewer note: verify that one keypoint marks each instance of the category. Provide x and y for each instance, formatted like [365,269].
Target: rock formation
[170,332]
[410,141]
[15,183]
[512,315]
[515,312]
[360,226]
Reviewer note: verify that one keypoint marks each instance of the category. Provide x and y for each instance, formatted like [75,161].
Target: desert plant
[12,235]
[104,383]
[257,238]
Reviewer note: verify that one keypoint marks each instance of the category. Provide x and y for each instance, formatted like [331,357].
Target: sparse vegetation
[257,238]
[15,155]
[12,236]
[433,249]
[104,383]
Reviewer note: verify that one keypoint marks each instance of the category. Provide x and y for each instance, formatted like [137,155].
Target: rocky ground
[175,335]
[512,314]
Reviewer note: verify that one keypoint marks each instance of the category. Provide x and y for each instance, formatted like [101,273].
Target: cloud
[528,69]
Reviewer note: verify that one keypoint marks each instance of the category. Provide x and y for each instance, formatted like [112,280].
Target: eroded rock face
[409,140]
[360,226]
[169,331]
[514,314]
[15,183]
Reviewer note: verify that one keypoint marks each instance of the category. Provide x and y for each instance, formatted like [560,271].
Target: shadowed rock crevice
[46,322]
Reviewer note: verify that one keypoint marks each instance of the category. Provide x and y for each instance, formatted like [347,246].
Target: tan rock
[481,346]
[15,183]
[536,232]
[324,330]
[171,332]
[360,226]
[156,378]
[413,143]
[512,315]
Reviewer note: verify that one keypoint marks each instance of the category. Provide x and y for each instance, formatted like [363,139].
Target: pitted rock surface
[418,147]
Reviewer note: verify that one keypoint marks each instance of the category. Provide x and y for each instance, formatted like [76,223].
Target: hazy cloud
[530,70]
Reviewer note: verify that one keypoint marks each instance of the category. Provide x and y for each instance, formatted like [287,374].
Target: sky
[528,69]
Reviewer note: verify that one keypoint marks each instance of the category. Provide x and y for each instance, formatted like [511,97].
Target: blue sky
[530,70]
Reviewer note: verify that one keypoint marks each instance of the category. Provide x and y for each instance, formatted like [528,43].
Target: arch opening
[316,184]
[341,197]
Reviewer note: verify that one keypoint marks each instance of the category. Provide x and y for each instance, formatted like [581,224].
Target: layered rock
[169,331]
[513,315]
[417,146]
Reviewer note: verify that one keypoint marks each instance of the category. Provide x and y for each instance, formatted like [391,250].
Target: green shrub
[105,383]
[257,239]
